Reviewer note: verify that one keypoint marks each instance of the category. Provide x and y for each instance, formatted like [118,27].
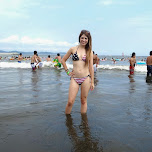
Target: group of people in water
[36,61]
[148,63]
[85,63]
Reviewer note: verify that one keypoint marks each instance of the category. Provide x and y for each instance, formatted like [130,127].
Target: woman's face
[83,40]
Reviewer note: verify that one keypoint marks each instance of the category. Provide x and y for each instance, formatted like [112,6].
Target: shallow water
[32,104]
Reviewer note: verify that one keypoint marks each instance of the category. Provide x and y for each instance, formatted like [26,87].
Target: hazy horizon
[116,26]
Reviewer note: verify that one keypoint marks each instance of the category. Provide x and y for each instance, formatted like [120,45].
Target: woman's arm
[91,70]
[66,56]
[64,64]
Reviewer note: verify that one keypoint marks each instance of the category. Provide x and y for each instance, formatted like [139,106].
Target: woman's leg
[73,90]
[85,87]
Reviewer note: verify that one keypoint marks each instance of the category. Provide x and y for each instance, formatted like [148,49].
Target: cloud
[13,14]
[114,2]
[13,8]
[33,3]
[76,43]
[105,2]
[141,24]
[42,4]
[141,21]
[10,39]
[52,7]
[39,43]
[21,8]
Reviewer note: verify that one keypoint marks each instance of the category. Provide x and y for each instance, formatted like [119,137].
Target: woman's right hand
[92,86]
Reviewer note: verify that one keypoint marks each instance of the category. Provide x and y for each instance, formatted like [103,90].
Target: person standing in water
[34,60]
[20,58]
[39,62]
[82,74]
[98,59]
[95,61]
[48,59]
[132,64]
[58,59]
[149,64]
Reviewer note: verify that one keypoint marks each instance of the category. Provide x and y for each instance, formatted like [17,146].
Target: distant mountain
[51,52]
[14,52]
[47,53]
[1,51]
[39,52]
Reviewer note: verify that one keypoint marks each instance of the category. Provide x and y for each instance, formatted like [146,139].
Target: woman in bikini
[82,74]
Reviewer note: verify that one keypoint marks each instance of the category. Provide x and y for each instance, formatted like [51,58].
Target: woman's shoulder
[73,49]
[91,52]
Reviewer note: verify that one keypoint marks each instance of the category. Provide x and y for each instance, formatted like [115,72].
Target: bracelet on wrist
[66,70]
[68,73]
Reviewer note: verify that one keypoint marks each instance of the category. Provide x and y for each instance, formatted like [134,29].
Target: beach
[32,110]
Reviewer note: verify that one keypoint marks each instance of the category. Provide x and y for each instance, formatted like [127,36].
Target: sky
[116,26]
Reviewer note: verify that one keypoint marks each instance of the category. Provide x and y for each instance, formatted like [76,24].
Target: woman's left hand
[92,86]
[72,73]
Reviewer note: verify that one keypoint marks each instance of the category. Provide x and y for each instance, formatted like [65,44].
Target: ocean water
[32,105]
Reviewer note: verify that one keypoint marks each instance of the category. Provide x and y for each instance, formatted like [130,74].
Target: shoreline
[15,53]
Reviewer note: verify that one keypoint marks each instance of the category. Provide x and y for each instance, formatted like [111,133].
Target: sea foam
[138,68]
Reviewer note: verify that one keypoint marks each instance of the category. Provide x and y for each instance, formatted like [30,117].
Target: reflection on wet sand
[57,73]
[149,79]
[36,89]
[131,78]
[95,80]
[20,77]
[85,141]
[35,80]
[132,84]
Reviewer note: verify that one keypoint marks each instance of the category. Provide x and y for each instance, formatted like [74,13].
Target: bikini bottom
[79,81]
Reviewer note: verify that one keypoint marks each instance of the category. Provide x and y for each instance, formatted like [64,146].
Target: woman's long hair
[88,46]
